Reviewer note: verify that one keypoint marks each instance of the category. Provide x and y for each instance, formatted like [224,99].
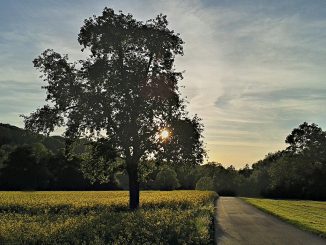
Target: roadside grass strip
[305,214]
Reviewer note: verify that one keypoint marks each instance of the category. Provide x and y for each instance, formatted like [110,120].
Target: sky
[253,70]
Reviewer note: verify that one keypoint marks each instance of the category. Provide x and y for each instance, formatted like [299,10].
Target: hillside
[12,135]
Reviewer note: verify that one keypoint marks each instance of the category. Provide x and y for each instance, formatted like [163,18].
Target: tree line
[296,172]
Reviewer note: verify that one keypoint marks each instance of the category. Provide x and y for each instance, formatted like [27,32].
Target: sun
[165,134]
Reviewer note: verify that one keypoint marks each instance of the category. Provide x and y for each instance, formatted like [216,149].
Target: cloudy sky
[254,70]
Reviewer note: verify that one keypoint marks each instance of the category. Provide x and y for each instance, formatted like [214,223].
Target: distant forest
[35,162]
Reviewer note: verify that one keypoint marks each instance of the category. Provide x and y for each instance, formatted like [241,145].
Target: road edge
[288,221]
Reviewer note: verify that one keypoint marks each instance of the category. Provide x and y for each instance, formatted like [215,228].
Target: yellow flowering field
[102,217]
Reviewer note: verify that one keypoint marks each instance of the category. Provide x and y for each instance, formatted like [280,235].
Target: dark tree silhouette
[126,89]
[307,139]
[24,170]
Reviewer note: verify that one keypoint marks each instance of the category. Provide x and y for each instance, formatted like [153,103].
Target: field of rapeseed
[173,217]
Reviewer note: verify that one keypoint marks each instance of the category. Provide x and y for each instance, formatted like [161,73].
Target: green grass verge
[174,217]
[307,215]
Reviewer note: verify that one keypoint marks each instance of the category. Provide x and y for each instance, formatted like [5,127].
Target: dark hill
[12,135]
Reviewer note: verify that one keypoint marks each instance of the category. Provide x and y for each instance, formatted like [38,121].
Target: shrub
[167,179]
[205,183]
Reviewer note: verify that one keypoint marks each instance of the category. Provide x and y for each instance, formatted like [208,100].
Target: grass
[172,217]
[307,215]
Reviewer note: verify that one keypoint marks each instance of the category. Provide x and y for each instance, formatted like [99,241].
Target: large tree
[125,92]
[309,140]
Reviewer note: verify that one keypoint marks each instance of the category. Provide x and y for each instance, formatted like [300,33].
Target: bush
[205,183]
[167,179]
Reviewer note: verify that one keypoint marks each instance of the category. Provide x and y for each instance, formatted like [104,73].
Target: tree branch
[149,63]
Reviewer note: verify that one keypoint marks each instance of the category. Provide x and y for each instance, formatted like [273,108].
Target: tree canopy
[124,94]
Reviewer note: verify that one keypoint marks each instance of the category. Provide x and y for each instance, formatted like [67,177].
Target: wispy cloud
[254,69]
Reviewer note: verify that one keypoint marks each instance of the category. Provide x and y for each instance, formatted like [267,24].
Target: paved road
[240,223]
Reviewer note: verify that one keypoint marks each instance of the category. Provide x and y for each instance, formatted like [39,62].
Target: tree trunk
[133,190]
[132,169]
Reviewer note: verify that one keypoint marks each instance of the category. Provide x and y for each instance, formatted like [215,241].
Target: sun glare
[165,134]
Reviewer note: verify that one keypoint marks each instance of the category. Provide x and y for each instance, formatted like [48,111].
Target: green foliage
[166,179]
[307,138]
[127,89]
[11,135]
[297,177]
[100,162]
[187,176]
[24,170]
[296,172]
[205,184]
[35,167]
[177,217]
[4,152]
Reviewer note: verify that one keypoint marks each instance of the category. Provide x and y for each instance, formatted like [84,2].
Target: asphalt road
[240,223]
